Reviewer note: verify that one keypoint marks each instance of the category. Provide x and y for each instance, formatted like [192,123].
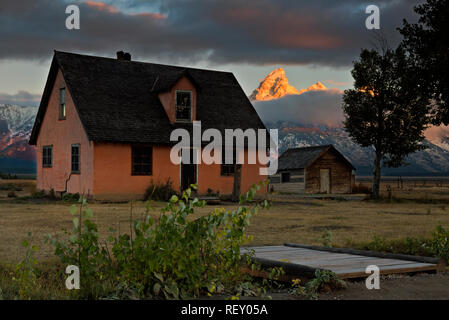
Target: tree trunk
[237,182]
[376,178]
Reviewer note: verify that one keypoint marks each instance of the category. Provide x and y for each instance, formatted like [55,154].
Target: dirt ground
[397,287]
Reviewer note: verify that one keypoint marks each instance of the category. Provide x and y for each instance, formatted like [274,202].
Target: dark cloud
[21,98]
[321,32]
[313,107]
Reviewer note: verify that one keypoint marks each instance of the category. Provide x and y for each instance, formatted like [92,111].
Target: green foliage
[71,197]
[38,194]
[436,246]
[172,257]
[439,243]
[325,280]
[83,249]
[25,273]
[326,239]
[159,191]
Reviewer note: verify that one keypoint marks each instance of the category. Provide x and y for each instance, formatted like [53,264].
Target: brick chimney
[123,56]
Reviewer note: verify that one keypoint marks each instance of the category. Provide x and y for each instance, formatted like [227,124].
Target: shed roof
[117,100]
[300,158]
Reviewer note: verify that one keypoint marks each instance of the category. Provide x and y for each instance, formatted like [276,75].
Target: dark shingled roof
[117,101]
[299,158]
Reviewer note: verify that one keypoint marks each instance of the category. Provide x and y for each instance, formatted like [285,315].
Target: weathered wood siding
[340,174]
[296,184]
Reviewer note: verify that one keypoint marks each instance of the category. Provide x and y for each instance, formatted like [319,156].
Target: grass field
[410,213]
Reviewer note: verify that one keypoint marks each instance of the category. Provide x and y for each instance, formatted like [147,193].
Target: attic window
[62,113]
[183,106]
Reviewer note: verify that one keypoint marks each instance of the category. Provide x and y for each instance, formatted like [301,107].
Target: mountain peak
[275,85]
[315,87]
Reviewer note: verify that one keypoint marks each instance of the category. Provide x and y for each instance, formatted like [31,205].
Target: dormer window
[62,104]
[183,106]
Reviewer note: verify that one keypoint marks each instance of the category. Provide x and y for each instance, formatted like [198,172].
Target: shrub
[173,257]
[436,246]
[38,194]
[71,197]
[439,243]
[159,191]
[24,273]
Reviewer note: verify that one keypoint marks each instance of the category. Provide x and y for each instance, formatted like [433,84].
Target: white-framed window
[62,111]
[183,106]
[47,156]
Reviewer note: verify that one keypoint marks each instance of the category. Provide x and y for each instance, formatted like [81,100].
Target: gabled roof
[117,101]
[301,158]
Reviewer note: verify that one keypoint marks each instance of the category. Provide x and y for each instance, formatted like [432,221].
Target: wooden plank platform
[302,261]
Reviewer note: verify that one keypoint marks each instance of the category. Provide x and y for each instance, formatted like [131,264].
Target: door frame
[180,167]
[329,176]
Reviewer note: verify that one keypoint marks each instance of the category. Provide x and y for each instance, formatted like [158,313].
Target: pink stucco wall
[61,134]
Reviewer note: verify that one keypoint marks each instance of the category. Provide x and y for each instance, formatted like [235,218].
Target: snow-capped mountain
[313,116]
[16,123]
[275,85]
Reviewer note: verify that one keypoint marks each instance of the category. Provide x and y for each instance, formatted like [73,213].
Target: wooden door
[325,185]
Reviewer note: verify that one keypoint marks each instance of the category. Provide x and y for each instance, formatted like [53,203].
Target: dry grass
[291,219]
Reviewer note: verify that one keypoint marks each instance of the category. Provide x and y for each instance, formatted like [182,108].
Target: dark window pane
[183,107]
[75,159]
[47,156]
[142,160]
[228,169]
[285,177]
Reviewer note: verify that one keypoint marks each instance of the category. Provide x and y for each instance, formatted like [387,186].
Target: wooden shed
[318,169]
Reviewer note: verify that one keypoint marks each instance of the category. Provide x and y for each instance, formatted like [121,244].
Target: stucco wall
[113,179]
[112,166]
[61,134]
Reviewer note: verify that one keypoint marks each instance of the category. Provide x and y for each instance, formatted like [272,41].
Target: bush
[159,191]
[436,246]
[173,257]
[38,194]
[71,197]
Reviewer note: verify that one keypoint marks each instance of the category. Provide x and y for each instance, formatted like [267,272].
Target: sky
[313,40]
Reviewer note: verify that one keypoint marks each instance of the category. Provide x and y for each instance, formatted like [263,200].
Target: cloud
[338,83]
[22,98]
[319,32]
[313,107]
